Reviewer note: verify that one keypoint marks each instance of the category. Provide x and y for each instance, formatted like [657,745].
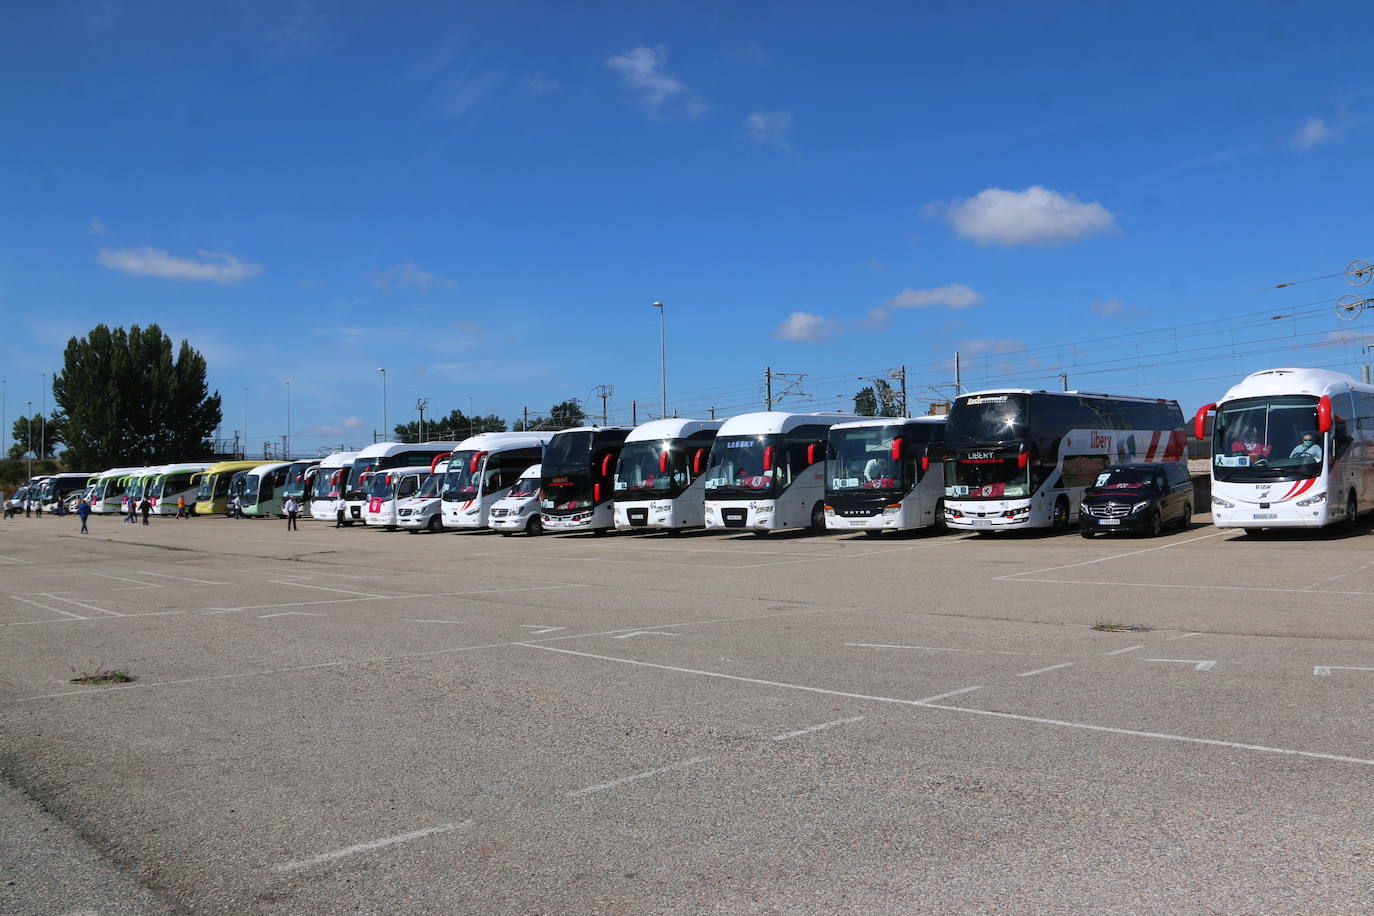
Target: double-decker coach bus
[327,485]
[1018,458]
[885,475]
[658,480]
[576,477]
[1291,448]
[483,469]
[381,456]
[766,471]
[212,492]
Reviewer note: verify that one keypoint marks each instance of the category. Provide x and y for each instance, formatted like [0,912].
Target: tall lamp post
[288,421]
[385,434]
[662,359]
[28,415]
[43,420]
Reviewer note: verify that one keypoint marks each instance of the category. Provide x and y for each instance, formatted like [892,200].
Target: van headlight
[1224,503]
[1138,506]
[1313,500]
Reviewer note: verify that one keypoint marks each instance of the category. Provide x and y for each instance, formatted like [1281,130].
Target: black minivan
[1137,497]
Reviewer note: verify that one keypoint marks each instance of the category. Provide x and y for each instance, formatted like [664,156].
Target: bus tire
[535,526]
[1060,520]
[436,524]
[1352,510]
[1186,521]
[818,517]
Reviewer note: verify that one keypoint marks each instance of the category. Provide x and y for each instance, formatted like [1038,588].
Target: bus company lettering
[992,399]
[1099,440]
[979,456]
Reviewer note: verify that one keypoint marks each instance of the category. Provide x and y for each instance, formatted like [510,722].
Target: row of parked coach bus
[1288,447]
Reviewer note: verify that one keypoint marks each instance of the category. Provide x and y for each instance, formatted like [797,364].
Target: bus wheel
[818,517]
[1351,510]
[436,524]
[1060,519]
[534,526]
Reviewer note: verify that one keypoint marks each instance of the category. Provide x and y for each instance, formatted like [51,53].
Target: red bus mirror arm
[1324,422]
[1200,420]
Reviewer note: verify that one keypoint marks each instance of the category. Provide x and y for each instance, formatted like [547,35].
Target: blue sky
[485,199]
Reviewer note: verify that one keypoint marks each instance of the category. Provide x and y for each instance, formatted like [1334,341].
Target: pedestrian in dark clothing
[83,511]
[145,507]
[38,507]
[130,510]
[293,509]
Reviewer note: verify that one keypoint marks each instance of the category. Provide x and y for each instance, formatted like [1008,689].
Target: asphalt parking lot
[366,721]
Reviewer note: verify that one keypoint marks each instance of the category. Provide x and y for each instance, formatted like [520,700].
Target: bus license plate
[1259,515]
[1109,521]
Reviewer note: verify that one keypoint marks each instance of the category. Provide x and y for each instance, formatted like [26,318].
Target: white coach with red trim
[1291,448]
[327,485]
[483,469]
[1021,458]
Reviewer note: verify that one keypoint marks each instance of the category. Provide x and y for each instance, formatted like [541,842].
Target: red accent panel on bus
[663,461]
[435,463]
[1023,459]
[1200,420]
[606,465]
[925,463]
[1324,414]
[696,460]
[768,458]
[897,451]
[476,460]
[596,493]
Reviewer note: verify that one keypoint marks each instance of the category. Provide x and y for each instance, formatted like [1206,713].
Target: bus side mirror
[1200,420]
[897,452]
[1324,422]
[696,460]
[811,454]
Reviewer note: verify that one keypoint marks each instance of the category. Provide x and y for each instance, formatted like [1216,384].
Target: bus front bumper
[988,516]
[1283,516]
[648,514]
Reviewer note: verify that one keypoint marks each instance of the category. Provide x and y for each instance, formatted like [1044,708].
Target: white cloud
[408,274]
[981,345]
[642,70]
[1310,133]
[805,326]
[154,262]
[950,296]
[540,85]
[355,423]
[769,126]
[1035,216]
[96,227]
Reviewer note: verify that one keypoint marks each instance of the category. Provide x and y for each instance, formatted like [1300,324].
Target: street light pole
[384,423]
[43,419]
[287,444]
[662,359]
[28,416]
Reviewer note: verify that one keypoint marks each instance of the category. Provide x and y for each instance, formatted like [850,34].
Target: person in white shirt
[1308,449]
[292,509]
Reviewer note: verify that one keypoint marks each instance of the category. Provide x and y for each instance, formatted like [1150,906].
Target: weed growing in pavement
[105,678]
[1121,628]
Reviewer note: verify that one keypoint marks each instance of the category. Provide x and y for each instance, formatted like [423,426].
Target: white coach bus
[658,479]
[1018,458]
[576,476]
[766,471]
[483,469]
[327,485]
[1291,448]
[173,481]
[885,474]
[382,456]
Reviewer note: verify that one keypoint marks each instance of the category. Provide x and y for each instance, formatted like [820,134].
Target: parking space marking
[291,614]
[968,711]
[1325,670]
[601,787]
[946,696]
[1116,556]
[787,736]
[369,846]
[325,588]
[424,620]
[1043,670]
[1125,650]
[11,559]
[137,583]
[538,629]
[1182,636]
[1348,572]
[1198,664]
[89,607]
[1117,583]
[144,572]
[56,610]
[644,633]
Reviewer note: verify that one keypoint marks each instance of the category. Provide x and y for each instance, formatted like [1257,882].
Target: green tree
[453,426]
[44,436]
[878,400]
[866,402]
[128,401]
[567,413]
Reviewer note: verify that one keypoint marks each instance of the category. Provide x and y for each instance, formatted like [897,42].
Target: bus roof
[671,428]
[269,467]
[338,460]
[66,475]
[387,449]
[226,466]
[191,467]
[501,442]
[868,422]
[533,470]
[778,421]
[1314,382]
[1074,393]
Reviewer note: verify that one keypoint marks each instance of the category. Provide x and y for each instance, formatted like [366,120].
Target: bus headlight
[830,511]
[892,509]
[1313,500]
[1224,503]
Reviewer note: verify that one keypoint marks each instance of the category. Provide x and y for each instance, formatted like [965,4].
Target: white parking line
[601,787]
[325,588]
[55,610]
[1117,583]
[875,645]
[122,579]
[424,620]
[144,572]
[1043,670]
[89,607]
[368,847]
[1125,650]
[1325,670]
[1198,664]
[946,696]
[12,559]
[291,614]
[1182,636]
[963,710]
[815,728]
[1116,556]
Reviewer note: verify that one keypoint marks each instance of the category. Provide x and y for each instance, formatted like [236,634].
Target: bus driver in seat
[1308,449]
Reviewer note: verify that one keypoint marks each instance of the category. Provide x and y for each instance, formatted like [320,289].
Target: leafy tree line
[38,434]
[878,400]
[456,425]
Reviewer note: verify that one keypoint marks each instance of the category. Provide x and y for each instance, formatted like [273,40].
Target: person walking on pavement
[83,511]
[238,507]
[145,507]
[292,508]
[38,508]
[340,508]
[131,508]
[181,507]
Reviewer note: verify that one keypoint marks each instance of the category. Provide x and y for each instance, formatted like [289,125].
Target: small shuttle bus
[766,471]
[519,509]
[173,481]
[212,491]
[58,487]
[327,484]
[381,456]
[1017,458]
[1291,448]
[386,490]
[885,475]
[658,481]
[424,510]
[263,489]
[483,469]
[576,477]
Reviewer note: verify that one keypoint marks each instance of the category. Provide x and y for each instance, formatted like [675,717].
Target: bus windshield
[324,485]
[462,480]
[525,488]
[381,485]
[988,418]
[736,469]
[998,474]
[651,469]
[861,459]
[354,490]
[295,480]
[1273,438]
[250,490]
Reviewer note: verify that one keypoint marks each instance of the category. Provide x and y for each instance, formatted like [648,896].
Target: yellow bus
[212,498]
